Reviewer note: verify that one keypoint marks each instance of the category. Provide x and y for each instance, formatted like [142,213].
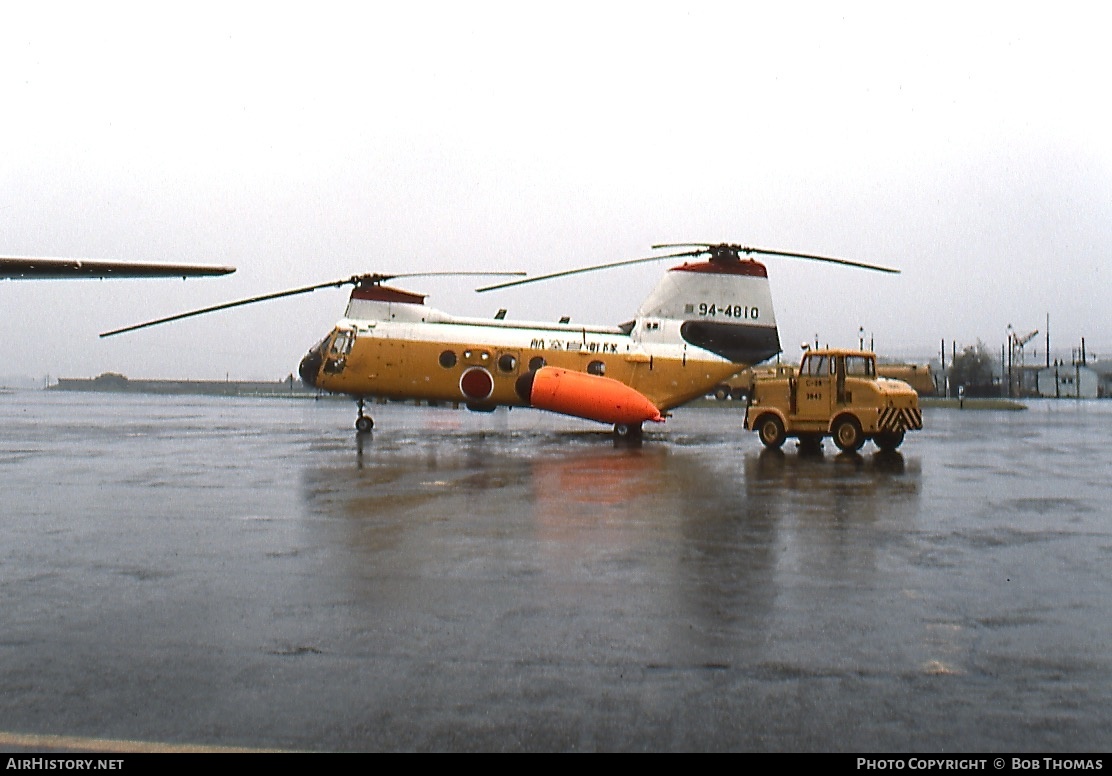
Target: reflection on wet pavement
[253,573]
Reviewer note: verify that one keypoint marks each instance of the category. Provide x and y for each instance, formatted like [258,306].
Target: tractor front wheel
[847,435]
[771,432]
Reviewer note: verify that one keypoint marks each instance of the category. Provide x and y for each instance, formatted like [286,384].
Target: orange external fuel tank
[585,396]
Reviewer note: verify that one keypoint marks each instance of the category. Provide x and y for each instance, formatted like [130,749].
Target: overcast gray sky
[968,144]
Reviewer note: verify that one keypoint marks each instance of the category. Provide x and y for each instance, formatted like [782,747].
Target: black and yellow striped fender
[900,419]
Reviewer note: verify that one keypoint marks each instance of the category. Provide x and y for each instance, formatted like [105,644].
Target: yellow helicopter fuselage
[689,335]
[479,364]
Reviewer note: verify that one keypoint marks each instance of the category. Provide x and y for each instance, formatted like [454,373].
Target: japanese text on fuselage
[577,345]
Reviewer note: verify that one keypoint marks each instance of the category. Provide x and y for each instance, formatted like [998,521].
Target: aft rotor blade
[768,252]
[830,259]
[589,269]
[227,305]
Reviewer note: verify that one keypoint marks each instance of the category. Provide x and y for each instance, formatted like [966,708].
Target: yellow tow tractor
[834,393]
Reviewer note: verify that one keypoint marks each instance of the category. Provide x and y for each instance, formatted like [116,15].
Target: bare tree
[973,368]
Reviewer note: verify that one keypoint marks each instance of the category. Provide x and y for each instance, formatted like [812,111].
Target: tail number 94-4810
[729,311]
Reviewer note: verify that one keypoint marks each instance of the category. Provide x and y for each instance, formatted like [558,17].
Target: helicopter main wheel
[627,432]
[363,423]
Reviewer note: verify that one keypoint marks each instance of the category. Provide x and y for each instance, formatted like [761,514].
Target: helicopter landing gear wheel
[363,423]
[627,432]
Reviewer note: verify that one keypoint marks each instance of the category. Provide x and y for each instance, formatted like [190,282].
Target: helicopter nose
[310,367]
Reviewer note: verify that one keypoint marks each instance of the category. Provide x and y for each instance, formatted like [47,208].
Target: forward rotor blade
[355,280]
[768,252]
[227,305]
[589,269]
[26,268]
[447,274]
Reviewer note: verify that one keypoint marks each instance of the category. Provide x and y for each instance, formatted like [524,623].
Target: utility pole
[1048,340]
[1002,370]
[1011,350]
[945,379]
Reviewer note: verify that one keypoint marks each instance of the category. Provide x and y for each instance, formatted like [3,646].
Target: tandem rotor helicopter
[705,320]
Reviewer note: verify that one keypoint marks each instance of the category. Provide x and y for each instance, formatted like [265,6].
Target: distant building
[1104,378]
[113,382]
[1026,381]
[1068,381]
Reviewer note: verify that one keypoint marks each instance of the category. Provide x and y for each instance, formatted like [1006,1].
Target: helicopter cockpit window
[859,366]
[342,342]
